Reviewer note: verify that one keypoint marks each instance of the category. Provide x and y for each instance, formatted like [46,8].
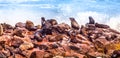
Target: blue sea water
[103,11]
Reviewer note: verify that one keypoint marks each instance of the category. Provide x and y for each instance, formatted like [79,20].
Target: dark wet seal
[116,54]
[46,27]
[43,47]
[91,20]
[42,21]
[74,23]
[38,36]
[101,25]
[74,48]
[53,46]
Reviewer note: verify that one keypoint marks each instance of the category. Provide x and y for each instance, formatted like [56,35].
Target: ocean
[103,11]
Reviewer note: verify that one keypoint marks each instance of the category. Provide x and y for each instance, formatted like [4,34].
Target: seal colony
[53,40]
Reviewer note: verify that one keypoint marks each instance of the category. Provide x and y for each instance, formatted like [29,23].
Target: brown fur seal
[74,24]
[52,21]
[30,26]
[91,20]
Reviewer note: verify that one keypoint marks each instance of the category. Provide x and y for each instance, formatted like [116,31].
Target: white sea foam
[103,11]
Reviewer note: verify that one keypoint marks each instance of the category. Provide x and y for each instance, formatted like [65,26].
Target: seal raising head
[74,24]
[91,20]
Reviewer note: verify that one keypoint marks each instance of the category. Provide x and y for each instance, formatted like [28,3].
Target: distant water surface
[103,11]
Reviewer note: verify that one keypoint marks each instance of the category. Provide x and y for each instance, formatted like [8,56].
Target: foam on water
[103,11]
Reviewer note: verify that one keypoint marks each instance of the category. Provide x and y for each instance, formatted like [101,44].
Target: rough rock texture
[53,40]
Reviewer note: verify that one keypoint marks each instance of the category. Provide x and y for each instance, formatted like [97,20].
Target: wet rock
[2,55]
[116,54]
[37,54]
[15,42]
[26,46]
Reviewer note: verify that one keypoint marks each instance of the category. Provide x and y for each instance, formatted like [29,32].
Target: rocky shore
[53,40]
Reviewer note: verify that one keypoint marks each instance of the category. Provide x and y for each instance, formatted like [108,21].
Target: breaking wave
[103,11]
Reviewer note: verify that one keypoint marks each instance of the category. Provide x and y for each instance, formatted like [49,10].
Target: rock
[61,28]
[43,47]
[15,42]
[58,57]
[7,52]
[2,55]
[18,56]
[74,48]
[1,30]
[18,32]
[116,54]
[53,46]
[37,54]
[6,26]
[26,46]
[20,24]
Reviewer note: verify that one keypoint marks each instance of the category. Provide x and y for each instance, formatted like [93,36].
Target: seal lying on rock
[74,23]
[101,25]
[52,21]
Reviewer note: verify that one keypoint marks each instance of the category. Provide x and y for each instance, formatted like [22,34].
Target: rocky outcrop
[53,40]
